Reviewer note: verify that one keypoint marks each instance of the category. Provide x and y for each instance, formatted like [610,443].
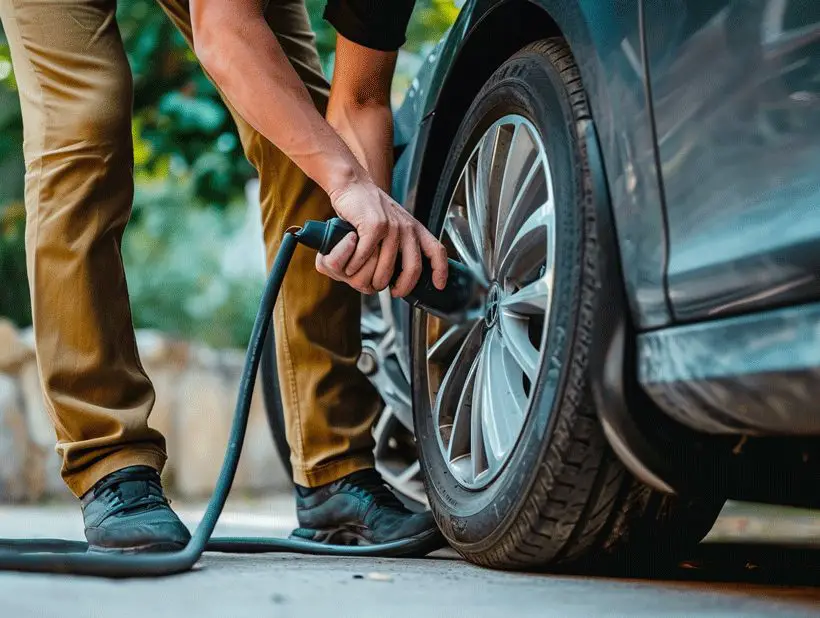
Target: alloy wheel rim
[395,451]
[481,373]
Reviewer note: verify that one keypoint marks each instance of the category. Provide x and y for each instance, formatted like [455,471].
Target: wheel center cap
[491,307]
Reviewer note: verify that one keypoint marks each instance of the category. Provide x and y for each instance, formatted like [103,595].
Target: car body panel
[736,96]
[610,64]
[756,374]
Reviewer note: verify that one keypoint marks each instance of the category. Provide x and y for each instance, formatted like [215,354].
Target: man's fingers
[363,279]
[333,264]
[410,266]
[437,255]
[377,270]
[370,235]
[387,258]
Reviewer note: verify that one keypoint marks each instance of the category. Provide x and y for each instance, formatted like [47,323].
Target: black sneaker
[127,512]
[359,509]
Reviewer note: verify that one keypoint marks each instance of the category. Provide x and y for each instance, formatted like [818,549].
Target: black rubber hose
[71,557]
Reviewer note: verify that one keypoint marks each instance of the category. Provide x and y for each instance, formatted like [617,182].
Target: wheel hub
[491,307]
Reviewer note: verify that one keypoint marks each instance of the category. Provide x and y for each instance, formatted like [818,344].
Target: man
[76,96]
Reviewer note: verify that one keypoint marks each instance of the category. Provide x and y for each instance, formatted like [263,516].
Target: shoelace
[133,491]
[371,483]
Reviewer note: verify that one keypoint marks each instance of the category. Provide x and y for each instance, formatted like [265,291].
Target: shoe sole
[410,547]
[150,548]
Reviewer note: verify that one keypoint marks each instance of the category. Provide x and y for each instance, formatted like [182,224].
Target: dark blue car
[636,184]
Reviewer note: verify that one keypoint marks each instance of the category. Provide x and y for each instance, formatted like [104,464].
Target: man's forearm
[359,107]
[250,67]
[368,132]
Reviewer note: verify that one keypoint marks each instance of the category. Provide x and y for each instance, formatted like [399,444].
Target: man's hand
[367,261]
[359,110]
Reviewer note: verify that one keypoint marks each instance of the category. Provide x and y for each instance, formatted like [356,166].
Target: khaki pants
[76,94]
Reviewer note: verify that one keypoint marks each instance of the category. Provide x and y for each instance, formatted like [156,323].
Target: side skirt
[752,375]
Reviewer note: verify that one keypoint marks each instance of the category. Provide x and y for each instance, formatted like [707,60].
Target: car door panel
[736,98]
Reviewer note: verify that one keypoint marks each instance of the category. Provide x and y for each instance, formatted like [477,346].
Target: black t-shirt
[377,24]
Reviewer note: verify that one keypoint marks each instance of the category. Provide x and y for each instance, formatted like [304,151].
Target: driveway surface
[722,580]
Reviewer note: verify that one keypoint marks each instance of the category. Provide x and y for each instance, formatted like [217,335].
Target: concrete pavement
[297,586]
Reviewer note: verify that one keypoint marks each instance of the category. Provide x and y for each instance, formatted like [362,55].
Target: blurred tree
[431,19]
[11,129]
[14,297]
[182,130]
[188,163]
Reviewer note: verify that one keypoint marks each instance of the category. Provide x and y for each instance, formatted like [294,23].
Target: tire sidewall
[529,85]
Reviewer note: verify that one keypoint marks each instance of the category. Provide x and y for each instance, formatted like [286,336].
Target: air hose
[73,557]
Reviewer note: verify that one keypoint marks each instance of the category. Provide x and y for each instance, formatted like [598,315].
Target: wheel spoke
[449,392]
[503,400]
[516,310]
[459,445]
[448,342]
[372,324]
[410,472]
[516,335]
[481,181]
[532,191]
[381,428]
[374,320]
[522,166]
[479,460]
[532,299]
[386,306]
[523,153]
[528,248]
[458,230]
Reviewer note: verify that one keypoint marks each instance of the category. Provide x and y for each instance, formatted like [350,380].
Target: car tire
[563,497]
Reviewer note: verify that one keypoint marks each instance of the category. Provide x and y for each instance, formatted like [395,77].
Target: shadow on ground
[722,565]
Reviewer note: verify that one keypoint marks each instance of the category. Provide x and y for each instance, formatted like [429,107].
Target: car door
[735,88]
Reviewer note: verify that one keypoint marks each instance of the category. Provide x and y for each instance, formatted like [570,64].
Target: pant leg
[76,96]
[329,405]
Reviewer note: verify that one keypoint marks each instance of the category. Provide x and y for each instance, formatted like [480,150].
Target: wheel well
[495,38]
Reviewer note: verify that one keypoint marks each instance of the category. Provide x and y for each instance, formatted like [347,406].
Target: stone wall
[196,394]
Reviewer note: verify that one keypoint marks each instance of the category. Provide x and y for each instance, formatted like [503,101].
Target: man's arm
[359,107]
[241,53]
[359,110]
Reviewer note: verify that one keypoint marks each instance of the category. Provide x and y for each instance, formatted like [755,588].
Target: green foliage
[11,130]
[184,130]
[325,34]
[174,272]
[14,296]
[430,21]
[190,178]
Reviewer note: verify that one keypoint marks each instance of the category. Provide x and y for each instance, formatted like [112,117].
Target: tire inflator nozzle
[451,303]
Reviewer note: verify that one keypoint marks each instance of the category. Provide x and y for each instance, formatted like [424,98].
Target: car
[636,187]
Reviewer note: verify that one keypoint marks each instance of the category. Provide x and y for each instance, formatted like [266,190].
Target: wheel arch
[477,45]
